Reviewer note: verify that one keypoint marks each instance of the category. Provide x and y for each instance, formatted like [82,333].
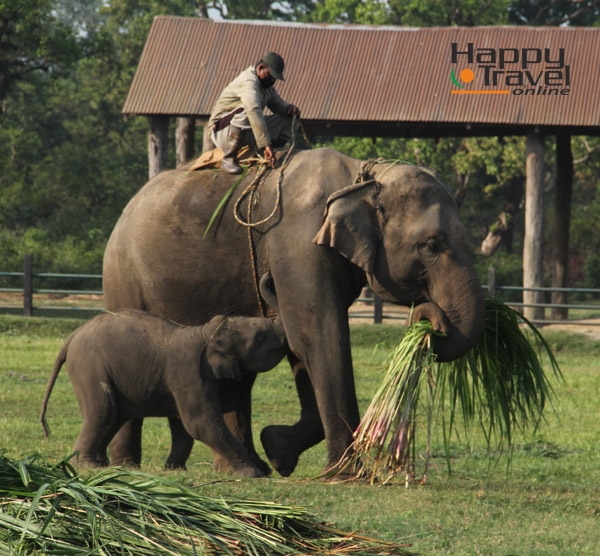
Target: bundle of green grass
[500,384]
[50,509]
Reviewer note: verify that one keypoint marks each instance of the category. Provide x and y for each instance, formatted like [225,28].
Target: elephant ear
[215,364]
[348,228]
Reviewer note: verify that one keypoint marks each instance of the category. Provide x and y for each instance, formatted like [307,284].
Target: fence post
[28,285]
[491,281]
[377,309]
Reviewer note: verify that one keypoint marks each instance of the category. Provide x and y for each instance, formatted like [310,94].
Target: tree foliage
[432,13]
[32,40]
[581,13]
[69,161]
[369,12]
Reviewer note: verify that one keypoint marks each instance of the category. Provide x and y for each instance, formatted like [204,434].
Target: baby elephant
[131,364]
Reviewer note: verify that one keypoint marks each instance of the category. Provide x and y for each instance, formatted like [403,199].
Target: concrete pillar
[533,243]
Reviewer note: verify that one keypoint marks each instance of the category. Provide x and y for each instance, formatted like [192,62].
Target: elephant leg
[89,444]
[181,445]
[96,432]
[126,446]
[231,452]
[100,422]
[283,444]
[318,335]
[202,416]
[236,404]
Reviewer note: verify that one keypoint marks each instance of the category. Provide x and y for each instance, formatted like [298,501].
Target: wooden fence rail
[28,279]
[367,306]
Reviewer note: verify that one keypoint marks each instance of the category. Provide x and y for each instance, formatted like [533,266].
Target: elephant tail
[60,359]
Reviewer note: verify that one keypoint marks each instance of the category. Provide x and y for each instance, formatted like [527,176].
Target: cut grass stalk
[47,509]
[500,384]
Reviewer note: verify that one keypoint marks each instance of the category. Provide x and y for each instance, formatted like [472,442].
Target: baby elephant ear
[215,365]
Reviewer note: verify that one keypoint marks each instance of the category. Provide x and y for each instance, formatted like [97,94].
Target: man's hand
[269,156]
[293,111]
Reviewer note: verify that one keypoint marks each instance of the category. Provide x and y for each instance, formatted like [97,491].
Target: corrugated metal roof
[352,73]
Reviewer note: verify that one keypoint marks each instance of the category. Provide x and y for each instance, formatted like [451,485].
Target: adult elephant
[336,227]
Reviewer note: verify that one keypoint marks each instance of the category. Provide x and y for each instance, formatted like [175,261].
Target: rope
[363,178]
[250,193]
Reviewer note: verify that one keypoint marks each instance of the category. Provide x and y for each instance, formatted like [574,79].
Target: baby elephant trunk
[272,346]
[279,331]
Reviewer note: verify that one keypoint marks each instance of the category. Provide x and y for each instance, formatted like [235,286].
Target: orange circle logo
[467,75]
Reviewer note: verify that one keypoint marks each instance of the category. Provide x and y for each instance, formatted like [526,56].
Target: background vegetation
[69,162]
[547,503]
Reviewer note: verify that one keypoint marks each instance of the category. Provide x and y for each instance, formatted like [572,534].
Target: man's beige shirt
[246,91]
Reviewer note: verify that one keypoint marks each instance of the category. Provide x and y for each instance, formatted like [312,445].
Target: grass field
[546,503]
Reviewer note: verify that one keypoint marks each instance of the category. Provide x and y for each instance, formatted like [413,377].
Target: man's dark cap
[275,63]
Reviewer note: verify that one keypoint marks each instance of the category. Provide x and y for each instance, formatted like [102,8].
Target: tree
[431,13]
[582,13]
[369,12]
[69,160]
[32,40]
[286,10]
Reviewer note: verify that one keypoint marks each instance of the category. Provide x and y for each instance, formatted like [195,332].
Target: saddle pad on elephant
[212,159]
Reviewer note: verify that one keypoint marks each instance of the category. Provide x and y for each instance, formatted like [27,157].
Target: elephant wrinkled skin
[399,231]
[132,364]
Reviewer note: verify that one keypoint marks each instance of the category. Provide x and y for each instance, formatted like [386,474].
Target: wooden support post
[533,242]
[28,285]
[377,309]
[491,285]
[157,144]
[562,223]
[185,140]
[207,144]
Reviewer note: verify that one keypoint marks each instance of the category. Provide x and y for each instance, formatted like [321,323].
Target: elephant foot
[263,466]
[125,462]
[90,458]
[92,462]
[221,465]
[175,466]
[336,473]
[280,449]
[251,471]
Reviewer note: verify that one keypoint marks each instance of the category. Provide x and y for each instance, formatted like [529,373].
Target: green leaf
[117,511]
[500,385]
[224,200]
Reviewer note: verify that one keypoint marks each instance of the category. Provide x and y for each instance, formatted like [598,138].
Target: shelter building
[385,81]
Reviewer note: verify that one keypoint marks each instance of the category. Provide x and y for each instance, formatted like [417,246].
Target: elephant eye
[429,249]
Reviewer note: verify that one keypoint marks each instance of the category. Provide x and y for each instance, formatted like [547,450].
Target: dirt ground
[589,327]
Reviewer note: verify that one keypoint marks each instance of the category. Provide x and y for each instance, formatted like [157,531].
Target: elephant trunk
[279,330]
[465,313]
[267,290]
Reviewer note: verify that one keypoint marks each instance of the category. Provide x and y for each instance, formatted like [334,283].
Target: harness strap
[250,192]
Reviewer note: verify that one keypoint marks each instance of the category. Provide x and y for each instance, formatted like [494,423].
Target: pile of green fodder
[500,384]
[46,509]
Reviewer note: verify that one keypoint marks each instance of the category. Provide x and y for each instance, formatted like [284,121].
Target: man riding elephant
[237,118]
